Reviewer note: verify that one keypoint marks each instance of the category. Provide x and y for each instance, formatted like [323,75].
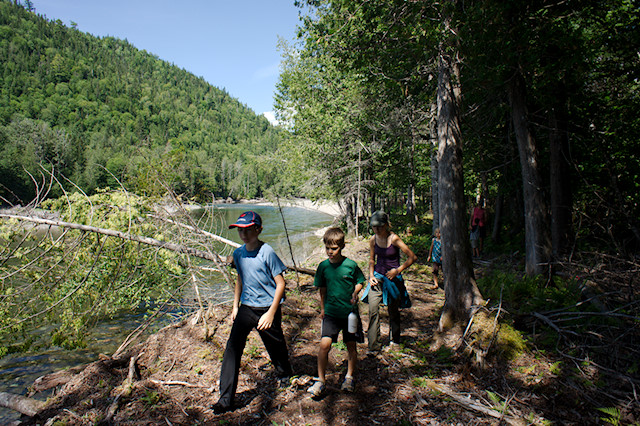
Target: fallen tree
[179,248]
[27,406]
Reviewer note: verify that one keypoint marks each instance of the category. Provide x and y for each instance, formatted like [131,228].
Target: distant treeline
[98,111]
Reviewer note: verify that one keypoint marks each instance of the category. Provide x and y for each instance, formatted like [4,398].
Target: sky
[231,44]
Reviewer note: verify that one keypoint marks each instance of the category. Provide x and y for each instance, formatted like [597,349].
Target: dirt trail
[179,371]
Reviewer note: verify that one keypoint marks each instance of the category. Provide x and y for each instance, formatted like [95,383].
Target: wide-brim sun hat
[247,219]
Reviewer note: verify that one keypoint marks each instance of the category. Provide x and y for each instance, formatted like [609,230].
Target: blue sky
[231,44]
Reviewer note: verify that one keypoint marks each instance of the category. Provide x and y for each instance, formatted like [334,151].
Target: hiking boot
[317,389]
[219,408]
[348,385]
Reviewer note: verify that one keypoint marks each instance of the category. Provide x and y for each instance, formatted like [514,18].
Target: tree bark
[461,292]
[349,215]
[411,188]
[560,179]
[497,219]
[435,200]
[537,242]
[21,404]
[435,203]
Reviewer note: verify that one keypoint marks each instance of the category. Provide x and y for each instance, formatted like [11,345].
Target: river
[304,227]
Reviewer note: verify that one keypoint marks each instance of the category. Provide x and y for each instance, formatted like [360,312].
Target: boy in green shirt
[339,281]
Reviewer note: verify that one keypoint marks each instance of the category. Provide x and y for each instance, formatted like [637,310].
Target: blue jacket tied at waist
[390,289]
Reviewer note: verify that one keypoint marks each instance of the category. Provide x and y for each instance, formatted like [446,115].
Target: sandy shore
[328,207]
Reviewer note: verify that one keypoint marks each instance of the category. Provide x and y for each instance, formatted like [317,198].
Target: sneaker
[317,389]
[393,346]
[348,385]
[219,408]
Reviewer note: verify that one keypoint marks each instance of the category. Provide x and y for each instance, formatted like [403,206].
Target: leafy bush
[67,280]
[526,294]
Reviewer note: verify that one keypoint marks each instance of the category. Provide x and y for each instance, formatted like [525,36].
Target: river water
[304,227]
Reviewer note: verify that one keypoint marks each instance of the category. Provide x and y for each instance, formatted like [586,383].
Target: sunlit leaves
[66,281]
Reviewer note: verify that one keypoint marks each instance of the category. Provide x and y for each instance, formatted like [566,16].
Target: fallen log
[21,404]
[201,231]
[179,248]
[52,380]
[474,405]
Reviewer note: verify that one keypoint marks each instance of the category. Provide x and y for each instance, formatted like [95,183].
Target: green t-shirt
[340,279]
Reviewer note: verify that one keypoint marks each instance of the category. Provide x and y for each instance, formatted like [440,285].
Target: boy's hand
[265,321]
[354,297]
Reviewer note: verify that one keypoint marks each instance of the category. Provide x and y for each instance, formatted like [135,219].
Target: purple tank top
[386,258]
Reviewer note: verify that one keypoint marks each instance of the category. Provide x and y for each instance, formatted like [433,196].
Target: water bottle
[352,322]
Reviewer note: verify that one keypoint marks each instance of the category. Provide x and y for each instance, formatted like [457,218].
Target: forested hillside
[98,110]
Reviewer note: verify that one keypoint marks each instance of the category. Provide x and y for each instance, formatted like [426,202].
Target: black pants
[274,342]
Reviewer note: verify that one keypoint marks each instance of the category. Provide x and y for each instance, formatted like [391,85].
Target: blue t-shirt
[257,270]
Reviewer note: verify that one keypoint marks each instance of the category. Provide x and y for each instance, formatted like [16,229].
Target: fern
[613,414]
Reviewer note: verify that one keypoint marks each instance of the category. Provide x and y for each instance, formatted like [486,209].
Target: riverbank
[329,207]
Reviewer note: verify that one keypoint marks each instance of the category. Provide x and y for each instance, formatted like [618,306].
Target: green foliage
[420,245]
[510,342]
[254,351]
[527,294]
[444,355]
[80,278]
[151,398]
[613,415]
[341,346]
[498,402]
[419,382]
[357,127]
[364,77]
[90,107]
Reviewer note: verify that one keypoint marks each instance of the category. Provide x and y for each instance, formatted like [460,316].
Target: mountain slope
[81,104]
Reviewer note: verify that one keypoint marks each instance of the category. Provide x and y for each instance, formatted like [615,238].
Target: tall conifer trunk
[461,292]
[537,242]
[560,178]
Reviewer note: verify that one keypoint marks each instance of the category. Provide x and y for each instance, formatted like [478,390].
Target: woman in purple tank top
[386,285]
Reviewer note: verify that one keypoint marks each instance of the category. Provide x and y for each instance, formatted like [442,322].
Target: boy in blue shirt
[339,281]
[258,293]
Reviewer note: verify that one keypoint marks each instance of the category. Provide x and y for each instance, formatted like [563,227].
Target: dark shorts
[437,267]
[331,327]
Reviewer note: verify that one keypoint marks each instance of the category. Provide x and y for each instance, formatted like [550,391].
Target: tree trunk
[21,404]
[461,292]
[537,242]
[497,219]
[411,189]
[411,202]
[349,216]
[560,177]
[435,200]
